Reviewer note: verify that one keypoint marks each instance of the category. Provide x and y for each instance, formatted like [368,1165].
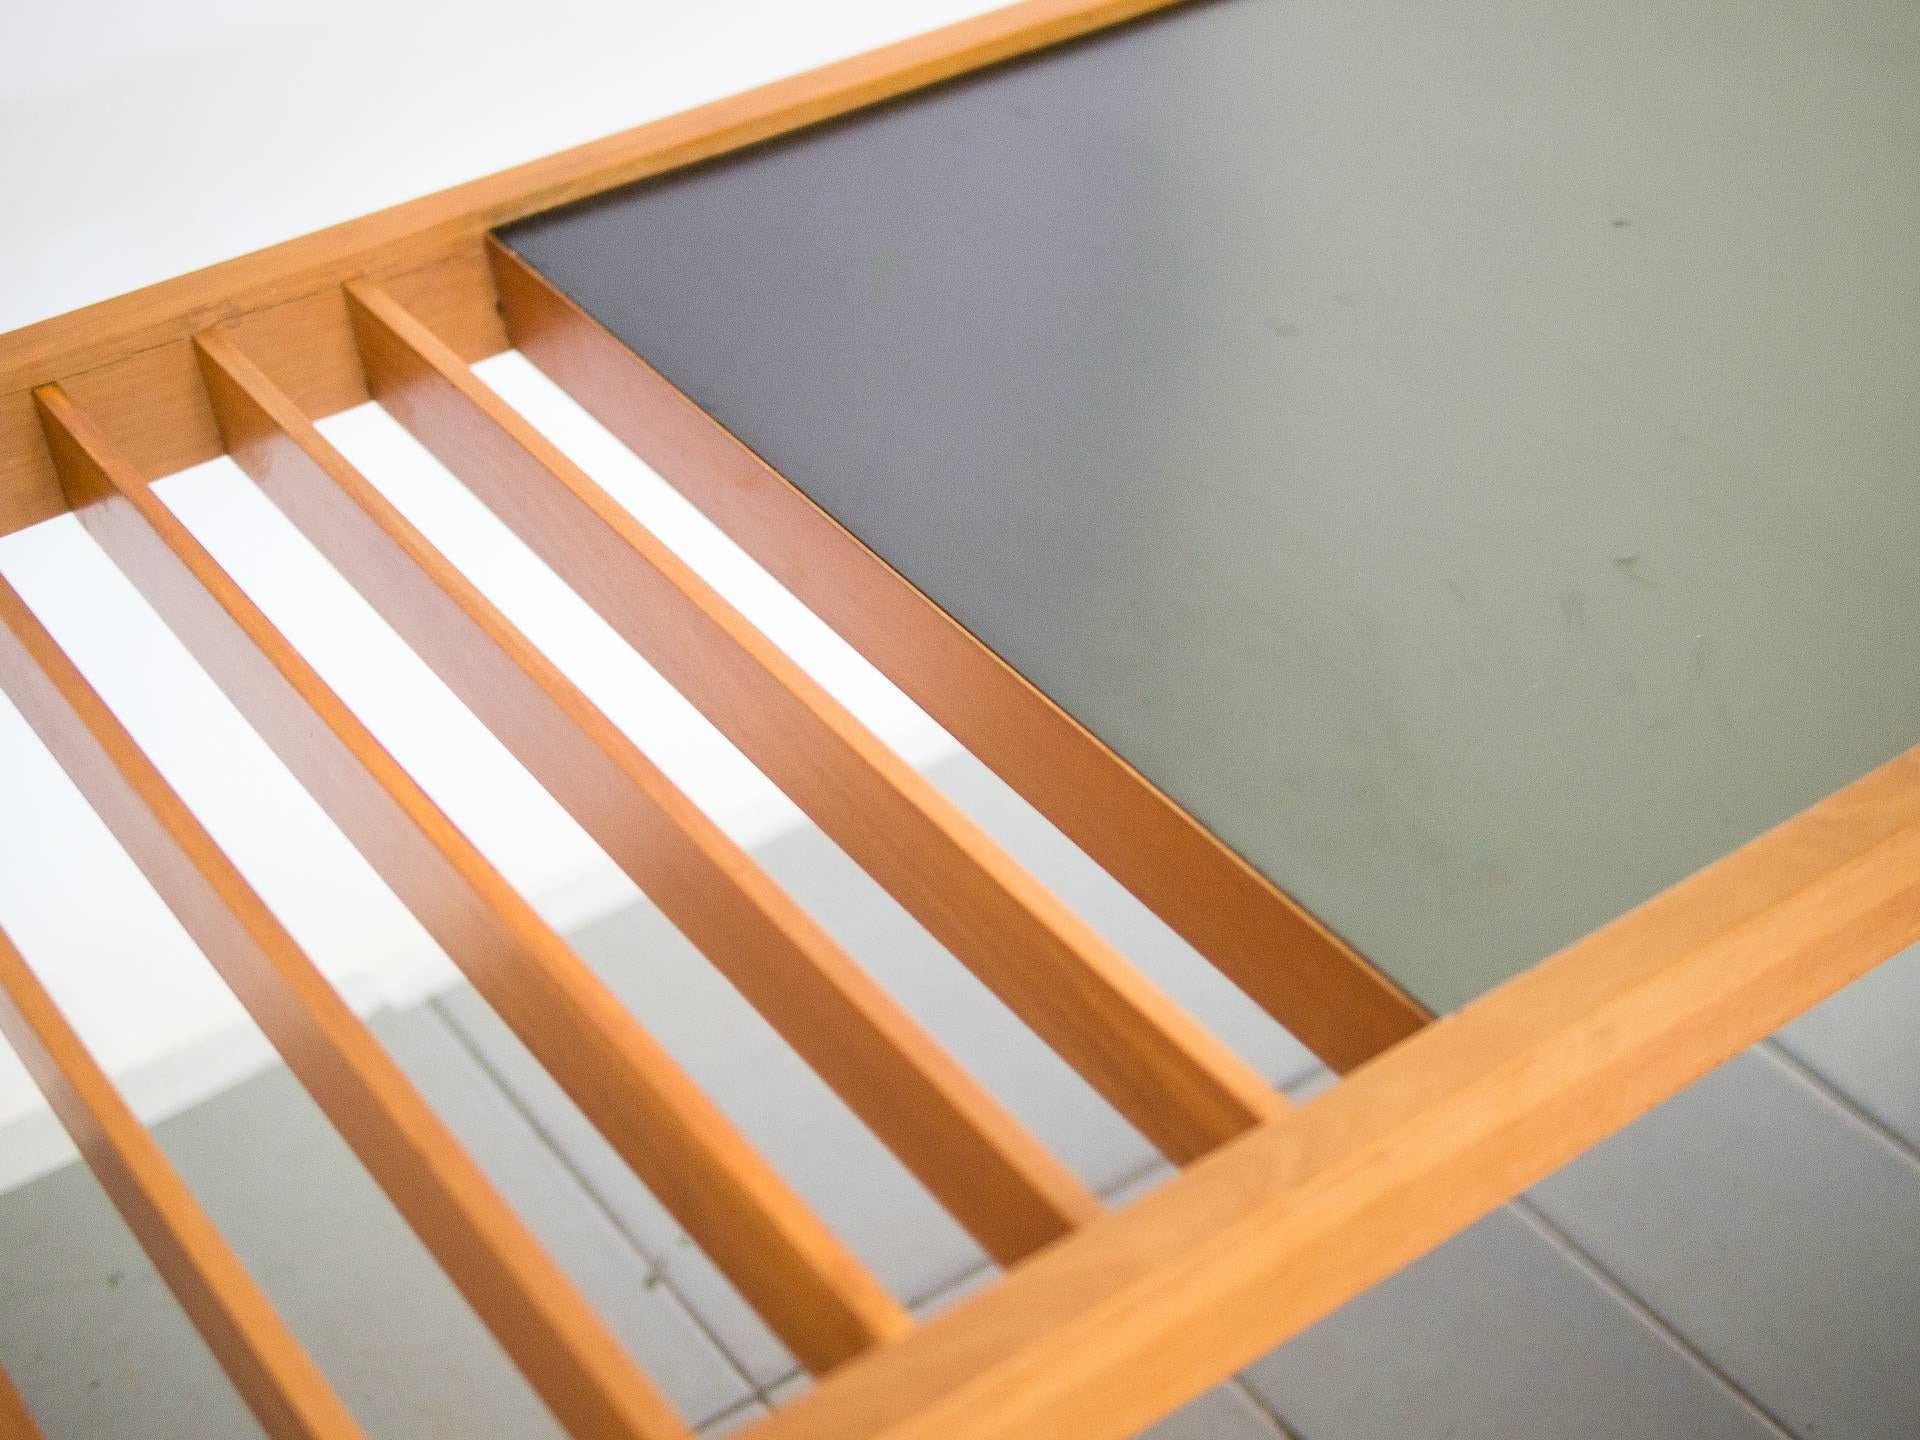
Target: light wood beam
[566,1352]
[1150,1305]
[272,1372]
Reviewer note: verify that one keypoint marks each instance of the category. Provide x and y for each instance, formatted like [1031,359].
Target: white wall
[165,138]
[147,139]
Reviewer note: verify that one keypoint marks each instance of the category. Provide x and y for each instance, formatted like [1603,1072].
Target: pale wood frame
[1105,1320]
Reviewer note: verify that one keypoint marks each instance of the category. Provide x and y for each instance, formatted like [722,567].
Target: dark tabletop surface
[1468,454]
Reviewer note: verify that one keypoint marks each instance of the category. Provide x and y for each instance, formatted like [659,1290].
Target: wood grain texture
[1152,1304]
[543,1323]
[272,1372]
[15,1421]
[451,223]
[29,487]
[1335,1002]
[1184,1090]
[992,1175]
[157,406]
[810,1289]
[153,408]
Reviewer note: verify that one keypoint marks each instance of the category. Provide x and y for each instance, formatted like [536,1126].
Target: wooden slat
[811,1290]
[996,1179]
[274,1375]
[451,223]
[1328,995]
[15,1421]
[1151,1304]
[566,1352]
[1183,1089]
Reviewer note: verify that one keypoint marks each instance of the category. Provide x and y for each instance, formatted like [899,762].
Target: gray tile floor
[1743,1262]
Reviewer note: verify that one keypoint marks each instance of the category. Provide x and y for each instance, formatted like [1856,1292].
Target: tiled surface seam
[1837,1099]
[586,1187]
[1645,1313]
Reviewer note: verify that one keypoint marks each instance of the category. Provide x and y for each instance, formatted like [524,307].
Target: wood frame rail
[272,1372]
[561,1345]
[15,1422]
[1139,1312]
[1105,1320]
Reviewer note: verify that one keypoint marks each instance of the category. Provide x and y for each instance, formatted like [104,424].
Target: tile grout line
[1838,1100]
[654,1266]
[1141,1173]
[1551,1232]
[764,1393]
[1133,1177]
[732,1413]
[1260,1404]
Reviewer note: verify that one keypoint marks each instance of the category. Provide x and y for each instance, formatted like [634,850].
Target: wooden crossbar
[1154,1303]
[541,1320]
[274,1375]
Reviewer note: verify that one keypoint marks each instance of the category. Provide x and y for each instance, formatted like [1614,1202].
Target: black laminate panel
[1468,454]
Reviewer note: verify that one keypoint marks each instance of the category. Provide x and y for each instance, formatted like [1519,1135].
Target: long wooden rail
[540,1319]
[1146,1308]
[273,1374]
